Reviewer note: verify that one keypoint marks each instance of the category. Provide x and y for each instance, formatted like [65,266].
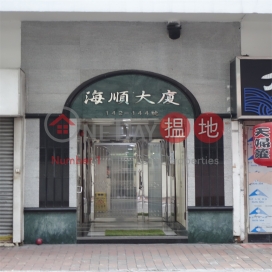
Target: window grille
[209,174]
[54,165]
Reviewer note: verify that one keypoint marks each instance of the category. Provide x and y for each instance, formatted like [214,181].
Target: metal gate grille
[154,180]
[6,177]
[115,177]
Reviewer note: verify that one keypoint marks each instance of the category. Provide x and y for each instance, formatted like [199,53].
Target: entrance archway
[132,176]
[132,81]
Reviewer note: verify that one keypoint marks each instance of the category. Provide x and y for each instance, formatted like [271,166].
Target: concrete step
[133,240]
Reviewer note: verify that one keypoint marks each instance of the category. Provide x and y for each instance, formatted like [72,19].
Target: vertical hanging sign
[262,144]
[259,190]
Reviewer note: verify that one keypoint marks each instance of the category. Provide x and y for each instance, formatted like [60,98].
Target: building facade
[84,146]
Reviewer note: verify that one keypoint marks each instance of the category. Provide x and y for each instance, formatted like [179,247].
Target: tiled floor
[98,229]
[149,257]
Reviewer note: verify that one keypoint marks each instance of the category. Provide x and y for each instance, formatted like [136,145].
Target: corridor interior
[130,182]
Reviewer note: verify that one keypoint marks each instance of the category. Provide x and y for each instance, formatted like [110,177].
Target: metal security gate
[6,177]
[115,181]
[154,180]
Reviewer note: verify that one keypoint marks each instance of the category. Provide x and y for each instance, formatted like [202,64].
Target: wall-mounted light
[174,29]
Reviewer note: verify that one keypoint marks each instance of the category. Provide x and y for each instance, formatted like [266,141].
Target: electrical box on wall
[251,88]
[12,92]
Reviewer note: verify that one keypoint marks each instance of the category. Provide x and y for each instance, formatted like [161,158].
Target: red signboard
[262,144]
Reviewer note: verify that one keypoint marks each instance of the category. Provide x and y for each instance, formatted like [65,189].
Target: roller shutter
[6,177]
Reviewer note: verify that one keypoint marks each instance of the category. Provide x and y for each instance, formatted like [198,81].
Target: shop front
[127,175]
[98,155]
[133,179]
[12,110]
[125,164]
[252,107]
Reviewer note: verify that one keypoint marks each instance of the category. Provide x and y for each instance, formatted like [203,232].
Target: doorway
[115,193]
[130,181]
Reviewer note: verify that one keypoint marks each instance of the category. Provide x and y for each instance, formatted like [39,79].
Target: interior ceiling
[120,16]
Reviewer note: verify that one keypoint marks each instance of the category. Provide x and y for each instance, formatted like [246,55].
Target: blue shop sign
[251,88]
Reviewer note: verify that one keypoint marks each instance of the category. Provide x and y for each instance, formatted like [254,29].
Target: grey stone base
[210,227]
[52,227]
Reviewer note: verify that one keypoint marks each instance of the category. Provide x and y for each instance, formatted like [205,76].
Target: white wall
[190,156]
[10,44]
[32,163]
[18,180]
[228,185]
[256,35]
[192,6]
[238,180]
[12,92]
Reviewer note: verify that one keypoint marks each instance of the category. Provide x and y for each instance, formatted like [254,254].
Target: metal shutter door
[6,177]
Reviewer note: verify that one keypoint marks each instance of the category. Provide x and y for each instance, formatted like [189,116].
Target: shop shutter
[6,178]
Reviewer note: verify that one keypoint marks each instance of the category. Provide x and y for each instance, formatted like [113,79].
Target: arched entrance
[131,179]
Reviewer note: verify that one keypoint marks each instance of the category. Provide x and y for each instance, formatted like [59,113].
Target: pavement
[137,257]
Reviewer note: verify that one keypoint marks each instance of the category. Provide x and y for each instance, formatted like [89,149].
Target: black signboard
[251,88]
